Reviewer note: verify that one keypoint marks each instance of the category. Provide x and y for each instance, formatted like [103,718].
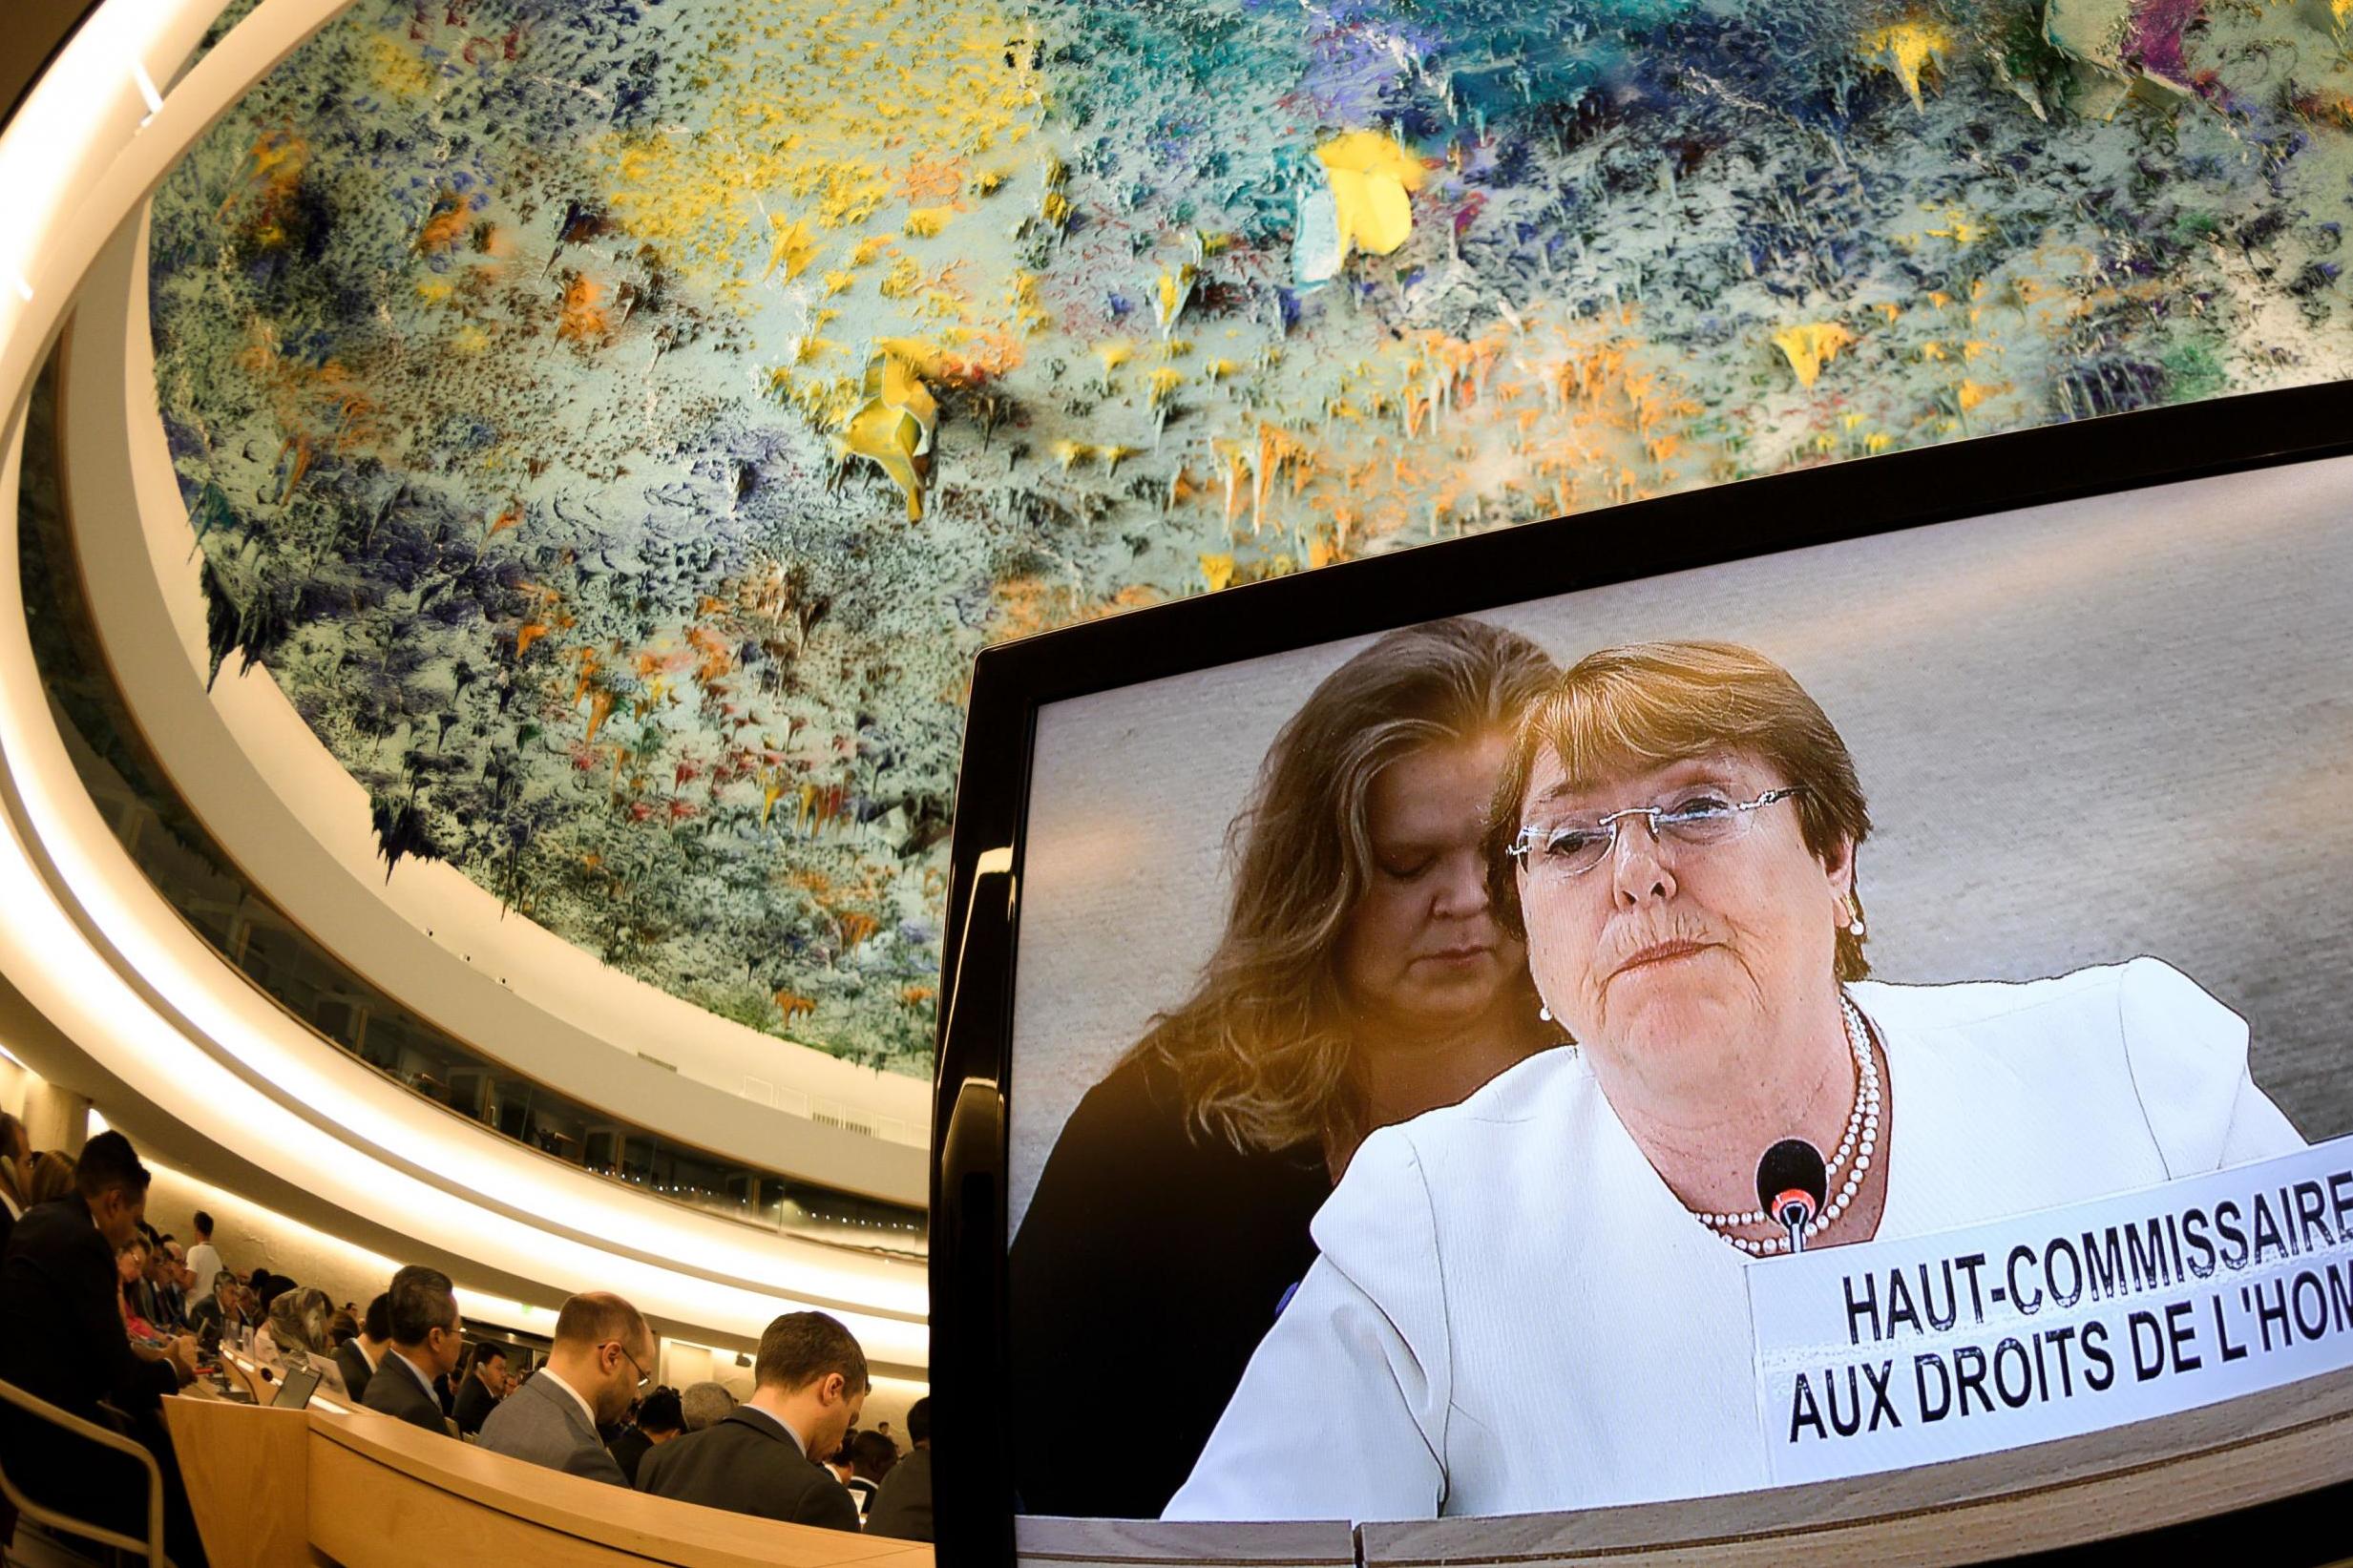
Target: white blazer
[1512,1313]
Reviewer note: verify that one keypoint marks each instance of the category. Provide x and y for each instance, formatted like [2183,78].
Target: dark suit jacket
[61,1337]
[540,1423]
[902,1509]
[749,1464]
[352,1363]
[475,1404]
[396,1392]
[62,1340]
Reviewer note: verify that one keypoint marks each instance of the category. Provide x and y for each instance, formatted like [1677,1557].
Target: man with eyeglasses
[425,1344]
[602,1359]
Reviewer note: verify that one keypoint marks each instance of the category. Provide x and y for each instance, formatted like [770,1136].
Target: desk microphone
[1791,1183]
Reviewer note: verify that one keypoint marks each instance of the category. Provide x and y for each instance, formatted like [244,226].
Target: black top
[1148,1267]
[749,1464]
[475,1404]
[902,1506]
[61,1334]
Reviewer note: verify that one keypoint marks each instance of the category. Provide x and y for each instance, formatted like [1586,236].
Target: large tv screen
[1845,1008]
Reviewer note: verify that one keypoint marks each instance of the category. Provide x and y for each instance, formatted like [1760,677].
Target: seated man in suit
[902,1507]
[422,1307]
[809,1384]
[61,1340]
[660,1418]
[484,1385]
[358,1359]
[218,1312]
[594,1372]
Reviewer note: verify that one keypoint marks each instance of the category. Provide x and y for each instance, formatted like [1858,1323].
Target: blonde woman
[1362,979]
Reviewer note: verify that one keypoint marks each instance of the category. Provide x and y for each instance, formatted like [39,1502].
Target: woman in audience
[295,1335]
[130,1270]
[1360,980]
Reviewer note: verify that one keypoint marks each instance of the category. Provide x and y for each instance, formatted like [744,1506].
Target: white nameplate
[1905,1352]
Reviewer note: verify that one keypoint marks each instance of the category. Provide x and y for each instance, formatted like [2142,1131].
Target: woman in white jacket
[1535,1300]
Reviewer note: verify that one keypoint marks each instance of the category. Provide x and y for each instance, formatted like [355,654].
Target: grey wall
[2089,731]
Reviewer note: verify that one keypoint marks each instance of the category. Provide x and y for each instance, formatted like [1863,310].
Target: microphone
[1791,1185]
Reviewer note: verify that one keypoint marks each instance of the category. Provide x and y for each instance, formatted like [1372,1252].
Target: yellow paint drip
[1811,346]
[1371,180]
[1908,49]
[893,427]
[794,247]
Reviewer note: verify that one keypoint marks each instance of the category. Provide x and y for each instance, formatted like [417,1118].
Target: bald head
[604,1352]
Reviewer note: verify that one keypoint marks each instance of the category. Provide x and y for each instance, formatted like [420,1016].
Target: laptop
[295,1389]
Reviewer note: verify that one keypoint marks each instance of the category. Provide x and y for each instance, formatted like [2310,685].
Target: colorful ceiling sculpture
[616,424]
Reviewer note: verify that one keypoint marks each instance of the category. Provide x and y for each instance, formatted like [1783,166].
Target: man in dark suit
[809,1382]
[660,1418]
[594,1372]
[902,1509]
[484,1385]
[358,1359]
[425,1344]
[62,1340]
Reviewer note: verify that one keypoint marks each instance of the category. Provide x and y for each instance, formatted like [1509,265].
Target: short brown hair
[594,1317]
[800,1348]
[1648,705]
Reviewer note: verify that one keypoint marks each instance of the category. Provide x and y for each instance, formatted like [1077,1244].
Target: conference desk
[298,1488]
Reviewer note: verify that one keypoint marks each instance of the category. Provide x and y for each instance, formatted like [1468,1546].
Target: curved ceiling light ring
[595,1033]
[74,983]
[79,988]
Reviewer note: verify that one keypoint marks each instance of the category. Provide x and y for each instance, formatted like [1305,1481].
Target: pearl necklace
[1859,1145]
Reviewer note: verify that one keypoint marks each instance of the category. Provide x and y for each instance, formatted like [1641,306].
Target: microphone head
[1791,1170]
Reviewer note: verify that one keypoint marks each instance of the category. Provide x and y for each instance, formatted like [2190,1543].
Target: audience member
[657,1421]
[902,1507]
[61,1340]
[15,1175]
[857,1477]
[425,1344]
[296,1336]
[130,1288]
[809,1382]
[705,1404]
[267,1287]
[483,1388]
[359,1360]
[342,1328]
[53,1177]
[203,1257]
[593,1370]
[159,1289]
[179,1280]
[219,1313]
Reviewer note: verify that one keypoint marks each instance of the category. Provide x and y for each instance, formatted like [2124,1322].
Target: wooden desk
[297,1488]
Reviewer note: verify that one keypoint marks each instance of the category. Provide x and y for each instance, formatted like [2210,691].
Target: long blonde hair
[1261,1049]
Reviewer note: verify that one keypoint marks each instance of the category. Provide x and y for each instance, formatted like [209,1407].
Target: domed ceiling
[617,424]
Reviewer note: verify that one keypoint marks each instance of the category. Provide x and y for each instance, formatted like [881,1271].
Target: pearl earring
[1543,1011]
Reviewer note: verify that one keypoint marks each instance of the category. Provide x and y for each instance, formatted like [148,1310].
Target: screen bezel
[1855,499]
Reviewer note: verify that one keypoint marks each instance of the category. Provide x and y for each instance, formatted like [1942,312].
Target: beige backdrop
[2086,732]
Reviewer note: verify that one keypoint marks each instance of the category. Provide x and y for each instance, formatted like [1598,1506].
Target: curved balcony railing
[193,874]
